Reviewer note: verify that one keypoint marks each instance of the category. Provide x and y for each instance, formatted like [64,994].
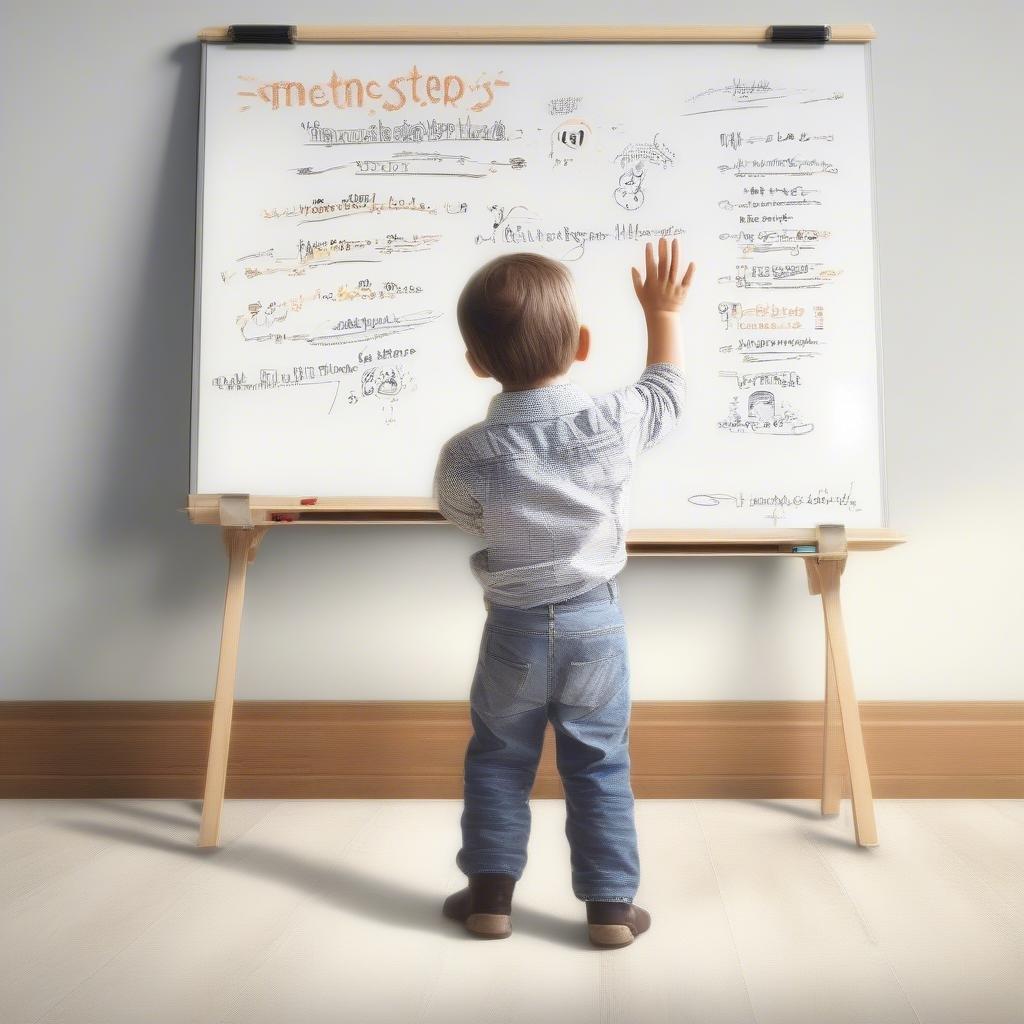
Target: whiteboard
[347,191]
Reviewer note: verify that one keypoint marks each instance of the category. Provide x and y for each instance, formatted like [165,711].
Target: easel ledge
[250,511]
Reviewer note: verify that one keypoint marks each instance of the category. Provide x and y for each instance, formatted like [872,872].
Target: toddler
[545,481]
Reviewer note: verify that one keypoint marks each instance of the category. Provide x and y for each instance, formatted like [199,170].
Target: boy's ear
[475,366]
[584,347]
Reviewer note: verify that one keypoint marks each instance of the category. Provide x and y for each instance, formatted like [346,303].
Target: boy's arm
[454,499]
[652,407]
[655,403]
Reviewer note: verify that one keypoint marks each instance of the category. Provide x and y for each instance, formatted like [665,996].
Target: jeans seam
[551,653]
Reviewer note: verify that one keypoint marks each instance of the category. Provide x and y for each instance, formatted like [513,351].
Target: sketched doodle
[763,415]
[572,134]
[634,160]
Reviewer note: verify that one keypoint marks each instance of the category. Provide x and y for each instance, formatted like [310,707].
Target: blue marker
[805,549]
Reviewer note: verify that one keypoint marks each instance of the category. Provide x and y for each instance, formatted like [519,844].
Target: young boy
[545,480]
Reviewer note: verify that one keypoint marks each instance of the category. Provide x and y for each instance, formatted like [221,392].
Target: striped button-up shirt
[544,479]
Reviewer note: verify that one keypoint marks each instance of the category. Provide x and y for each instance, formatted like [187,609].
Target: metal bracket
[236,510]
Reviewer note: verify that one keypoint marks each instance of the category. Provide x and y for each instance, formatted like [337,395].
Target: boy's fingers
[662,258]
[652,271]
[673,264]
[688,275]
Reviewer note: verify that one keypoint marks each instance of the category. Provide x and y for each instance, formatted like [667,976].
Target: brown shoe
[615,924]
[484,906]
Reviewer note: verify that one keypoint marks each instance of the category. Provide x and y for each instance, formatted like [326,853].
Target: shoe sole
[489,926]
[610,936]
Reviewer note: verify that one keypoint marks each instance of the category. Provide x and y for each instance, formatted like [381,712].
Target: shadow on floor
[349,889]
[797,810]
[813,813]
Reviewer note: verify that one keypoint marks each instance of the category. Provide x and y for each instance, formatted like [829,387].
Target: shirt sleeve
[454,498]
[652,407]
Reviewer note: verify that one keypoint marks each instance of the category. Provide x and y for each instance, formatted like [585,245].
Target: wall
[111,593]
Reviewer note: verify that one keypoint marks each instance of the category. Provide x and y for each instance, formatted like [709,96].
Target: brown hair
[519,319]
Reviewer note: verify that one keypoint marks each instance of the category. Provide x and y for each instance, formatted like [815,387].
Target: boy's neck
[544,383]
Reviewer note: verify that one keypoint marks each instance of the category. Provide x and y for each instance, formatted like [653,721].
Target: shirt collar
[537,403]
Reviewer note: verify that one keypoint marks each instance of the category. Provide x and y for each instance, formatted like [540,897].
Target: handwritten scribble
[780,165]
[415,132]
[312,254]
[753,94]
[320,210]
[431,165]
[736,139]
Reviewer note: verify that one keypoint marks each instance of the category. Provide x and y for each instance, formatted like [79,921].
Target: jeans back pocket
[590,685]
[500,688]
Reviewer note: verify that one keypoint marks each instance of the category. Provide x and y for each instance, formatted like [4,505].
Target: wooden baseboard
[389,749]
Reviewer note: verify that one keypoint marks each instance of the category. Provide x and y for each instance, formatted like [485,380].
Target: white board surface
[347,191]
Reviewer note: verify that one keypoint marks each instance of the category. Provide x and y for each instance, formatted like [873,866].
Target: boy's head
[519,320]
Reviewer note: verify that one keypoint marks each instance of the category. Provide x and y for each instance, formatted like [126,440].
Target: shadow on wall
[147,455]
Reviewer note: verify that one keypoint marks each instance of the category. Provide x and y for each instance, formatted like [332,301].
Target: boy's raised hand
[665,286]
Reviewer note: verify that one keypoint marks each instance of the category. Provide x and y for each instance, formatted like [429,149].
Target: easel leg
[832,754]
[241,544]
[832,743]
[842,677]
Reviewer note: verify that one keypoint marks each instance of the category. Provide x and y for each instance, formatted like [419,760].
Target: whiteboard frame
[197,288]
[527,34]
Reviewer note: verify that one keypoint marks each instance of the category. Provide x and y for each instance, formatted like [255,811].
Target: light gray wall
[111,593]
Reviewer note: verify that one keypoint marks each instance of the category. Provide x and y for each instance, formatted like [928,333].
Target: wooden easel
[245,520]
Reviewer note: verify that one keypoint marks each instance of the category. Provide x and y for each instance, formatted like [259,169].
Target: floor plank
[954,943]
[982,838]
[807,953]
[687,968]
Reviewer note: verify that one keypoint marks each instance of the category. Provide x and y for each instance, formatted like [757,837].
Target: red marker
[307,501]
[283,517]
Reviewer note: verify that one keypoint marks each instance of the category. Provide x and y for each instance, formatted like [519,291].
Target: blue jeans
[566,663]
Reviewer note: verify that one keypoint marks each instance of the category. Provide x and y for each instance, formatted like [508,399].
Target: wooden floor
[330,911]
